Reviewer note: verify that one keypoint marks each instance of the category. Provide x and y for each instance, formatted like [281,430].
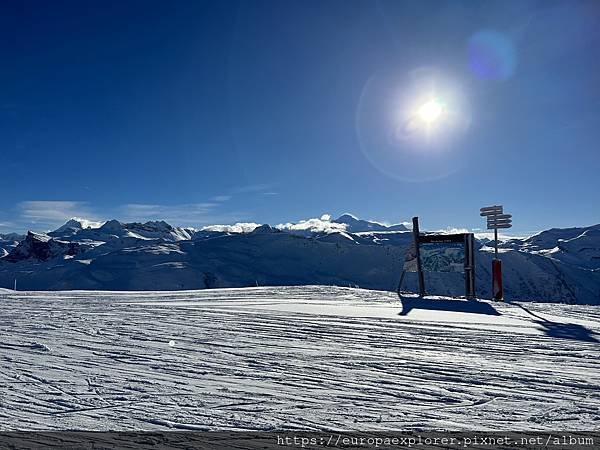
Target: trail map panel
[443,256]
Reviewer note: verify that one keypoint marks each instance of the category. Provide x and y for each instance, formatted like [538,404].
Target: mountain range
[557,265]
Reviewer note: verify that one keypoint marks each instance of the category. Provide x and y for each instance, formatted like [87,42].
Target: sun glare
[430,111]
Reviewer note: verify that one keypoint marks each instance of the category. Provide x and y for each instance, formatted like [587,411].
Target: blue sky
[272,111]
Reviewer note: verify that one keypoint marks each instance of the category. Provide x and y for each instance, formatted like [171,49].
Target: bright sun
[430,111]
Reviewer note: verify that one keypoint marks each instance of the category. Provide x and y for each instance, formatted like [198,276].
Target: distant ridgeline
[558,265]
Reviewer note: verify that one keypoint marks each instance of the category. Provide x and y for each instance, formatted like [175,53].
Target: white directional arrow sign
[491,210]
[499,225]
[493,220]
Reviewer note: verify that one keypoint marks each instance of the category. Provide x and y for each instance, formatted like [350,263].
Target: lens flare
[492,55]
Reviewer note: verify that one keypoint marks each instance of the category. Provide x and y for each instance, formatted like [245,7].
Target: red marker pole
[497,280]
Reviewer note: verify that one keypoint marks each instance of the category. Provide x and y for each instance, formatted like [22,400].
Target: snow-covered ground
[309,358]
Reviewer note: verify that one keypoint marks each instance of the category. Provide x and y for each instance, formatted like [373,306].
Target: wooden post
[470,265]
[416,234]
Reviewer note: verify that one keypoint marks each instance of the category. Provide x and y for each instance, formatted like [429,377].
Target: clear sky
[273,111]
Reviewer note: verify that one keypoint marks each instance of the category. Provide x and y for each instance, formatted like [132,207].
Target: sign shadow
[561,330]
[453,305]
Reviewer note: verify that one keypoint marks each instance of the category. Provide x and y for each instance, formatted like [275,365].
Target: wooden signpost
[496,219]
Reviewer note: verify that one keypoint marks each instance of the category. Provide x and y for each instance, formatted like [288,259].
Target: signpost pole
[496,219]
[496,271]
[496,243]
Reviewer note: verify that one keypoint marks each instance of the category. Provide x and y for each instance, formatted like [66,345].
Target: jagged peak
[158,225]
[112,225]
[266,228]
[354,224]
[32,236]
[71,223]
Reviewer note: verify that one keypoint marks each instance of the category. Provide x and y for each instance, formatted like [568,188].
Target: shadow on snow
[454,305]
[561,330]
[551,329]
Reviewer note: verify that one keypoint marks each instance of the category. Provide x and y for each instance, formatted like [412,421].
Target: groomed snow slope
[310,358]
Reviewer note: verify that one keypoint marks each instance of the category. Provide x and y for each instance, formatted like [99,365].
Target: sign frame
[467,239]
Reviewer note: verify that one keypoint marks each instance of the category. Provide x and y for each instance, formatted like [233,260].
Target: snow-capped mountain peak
[112,226]
[356,225]
[71,227]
